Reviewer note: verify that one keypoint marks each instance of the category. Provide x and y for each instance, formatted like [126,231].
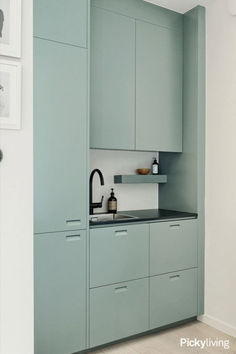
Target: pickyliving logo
[206,343]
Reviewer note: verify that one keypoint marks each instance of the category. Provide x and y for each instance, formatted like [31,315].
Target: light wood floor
[168,342]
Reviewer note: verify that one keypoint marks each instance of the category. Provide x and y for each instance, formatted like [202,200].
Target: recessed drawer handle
[73,237]
[174,277]
[121,289]
[73,222]
[121,233]
[175,226]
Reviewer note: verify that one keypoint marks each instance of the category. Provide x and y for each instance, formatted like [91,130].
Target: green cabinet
[112,81]
[173,246]
[62,21]
[173,297]
[159,86]
[118,311]
[60,292]
[136,83]
[60,137]
[118,254]
[142,277]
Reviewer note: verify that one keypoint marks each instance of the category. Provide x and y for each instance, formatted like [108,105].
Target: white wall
[220,291]
[16,216]
[16,208]
[130,196]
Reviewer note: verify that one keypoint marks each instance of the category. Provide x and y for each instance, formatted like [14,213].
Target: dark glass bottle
[112,203]
[155,167]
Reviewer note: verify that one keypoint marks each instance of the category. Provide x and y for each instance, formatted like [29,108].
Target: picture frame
[10,28]
[10,95]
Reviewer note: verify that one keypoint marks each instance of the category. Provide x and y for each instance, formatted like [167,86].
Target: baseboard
[220,325]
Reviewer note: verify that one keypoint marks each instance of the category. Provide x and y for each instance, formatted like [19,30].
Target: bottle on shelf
[112,203]
[155,167]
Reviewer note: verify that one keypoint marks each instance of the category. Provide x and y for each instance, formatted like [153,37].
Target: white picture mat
[5,11]
[13,24]
[13,120]
[4,94]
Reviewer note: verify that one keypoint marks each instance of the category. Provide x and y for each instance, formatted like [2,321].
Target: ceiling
[179,5]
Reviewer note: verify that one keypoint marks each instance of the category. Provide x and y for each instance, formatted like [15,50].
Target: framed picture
[10,95]
[10,28]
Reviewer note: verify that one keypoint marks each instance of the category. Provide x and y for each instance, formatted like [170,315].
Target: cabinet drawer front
[118,311]
[118,254]
[60,292]
[173,297]
[173,246]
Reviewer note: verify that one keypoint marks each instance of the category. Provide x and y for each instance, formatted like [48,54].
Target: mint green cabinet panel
[118,311]
[159,62]
[60,136]
[173,297]
[112,81]
[62,21]
[173,246]
[60,292]
[118,254]
[143,10]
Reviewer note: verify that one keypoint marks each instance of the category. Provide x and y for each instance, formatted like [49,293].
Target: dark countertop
[148,215]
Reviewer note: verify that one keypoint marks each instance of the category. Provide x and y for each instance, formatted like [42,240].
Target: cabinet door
[118,254]
[159,82]
[118,311]
[60,136]
[173,297]
[60,292]
[173,246]
[112,81]
[62,21]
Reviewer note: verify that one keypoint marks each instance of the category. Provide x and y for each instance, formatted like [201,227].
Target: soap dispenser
[112,203]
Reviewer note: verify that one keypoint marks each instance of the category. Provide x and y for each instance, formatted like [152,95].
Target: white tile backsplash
[129,196]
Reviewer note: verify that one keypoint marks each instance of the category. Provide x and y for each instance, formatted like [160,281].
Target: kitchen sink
[110,217]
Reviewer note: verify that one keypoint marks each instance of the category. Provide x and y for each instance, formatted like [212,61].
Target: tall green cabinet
[60,174]
[60,142]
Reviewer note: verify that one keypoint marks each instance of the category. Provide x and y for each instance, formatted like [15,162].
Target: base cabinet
[121,306]
[173,297]
[118,311]
[60,292]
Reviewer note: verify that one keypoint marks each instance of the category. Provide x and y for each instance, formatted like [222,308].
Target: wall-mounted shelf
[131,179]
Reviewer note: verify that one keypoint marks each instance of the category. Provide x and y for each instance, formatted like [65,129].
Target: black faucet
[91,204]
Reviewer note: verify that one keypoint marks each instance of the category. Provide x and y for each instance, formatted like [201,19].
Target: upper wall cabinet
[159,83]
[112,81]
[60,136]
[62,21]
